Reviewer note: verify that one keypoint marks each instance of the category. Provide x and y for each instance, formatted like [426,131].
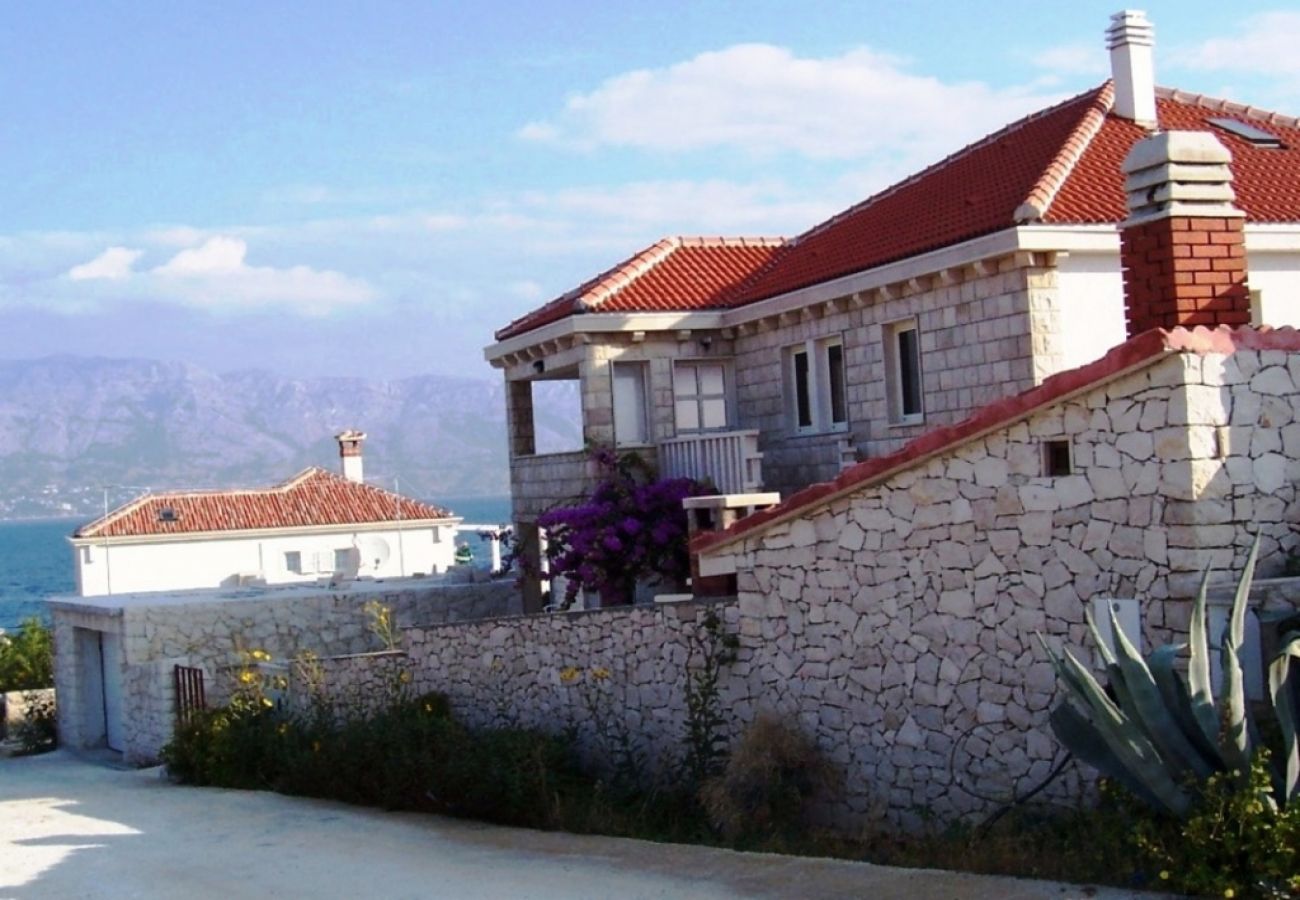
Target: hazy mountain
[70,426]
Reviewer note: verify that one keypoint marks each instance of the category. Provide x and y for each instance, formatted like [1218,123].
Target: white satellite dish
[374,552]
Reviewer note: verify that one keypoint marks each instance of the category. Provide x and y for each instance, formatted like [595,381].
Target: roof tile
[313,497]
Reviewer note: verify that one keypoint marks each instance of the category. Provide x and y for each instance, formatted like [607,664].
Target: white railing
[729,459]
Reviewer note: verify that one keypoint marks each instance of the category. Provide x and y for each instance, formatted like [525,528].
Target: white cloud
[216,255]
[1264,44]
[760,98]
[216,276]
[114,264]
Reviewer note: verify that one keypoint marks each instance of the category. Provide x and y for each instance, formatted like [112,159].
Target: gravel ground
[74,827]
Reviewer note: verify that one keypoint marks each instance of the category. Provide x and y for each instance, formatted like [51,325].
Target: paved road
[70,828]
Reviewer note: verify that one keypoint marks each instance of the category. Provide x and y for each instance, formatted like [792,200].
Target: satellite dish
[374,552]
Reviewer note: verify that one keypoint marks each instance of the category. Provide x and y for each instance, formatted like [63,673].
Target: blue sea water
[36,559]
[35,562]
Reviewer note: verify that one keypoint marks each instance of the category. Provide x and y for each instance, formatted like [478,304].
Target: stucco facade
[124,565]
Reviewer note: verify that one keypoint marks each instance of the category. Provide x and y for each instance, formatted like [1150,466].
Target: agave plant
[1160,735]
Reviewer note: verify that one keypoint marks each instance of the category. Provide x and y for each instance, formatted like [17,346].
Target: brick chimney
[350,453]
[1130,39]
[1182,246]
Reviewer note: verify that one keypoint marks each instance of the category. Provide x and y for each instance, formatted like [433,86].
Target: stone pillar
[1182,247]
[519,418]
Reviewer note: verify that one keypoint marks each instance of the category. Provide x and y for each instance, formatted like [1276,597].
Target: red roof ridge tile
[986,140]
[1040,198]
[1217,104]
[1133,354]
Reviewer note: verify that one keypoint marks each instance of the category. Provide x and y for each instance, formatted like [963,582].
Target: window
[630,421]
[816,385]
[903,372]
[1056,459]
[699,396]
[343,559]
[293,561]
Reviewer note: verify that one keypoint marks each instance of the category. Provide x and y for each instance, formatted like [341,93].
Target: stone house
[777,364]
[315,525]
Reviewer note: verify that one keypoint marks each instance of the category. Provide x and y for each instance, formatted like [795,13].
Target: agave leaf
[1105,651]
[1124,738]
[1149,709]
[1198,667]
[1077,733]
[1236,741]
[1176,697]
[1282,680]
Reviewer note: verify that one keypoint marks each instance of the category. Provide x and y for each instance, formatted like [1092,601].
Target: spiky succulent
[1161,735]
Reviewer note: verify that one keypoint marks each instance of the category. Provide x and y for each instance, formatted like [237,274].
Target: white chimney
[350,453]
[1130,38]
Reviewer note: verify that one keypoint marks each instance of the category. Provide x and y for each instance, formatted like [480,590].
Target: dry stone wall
[215,635]
[897,623]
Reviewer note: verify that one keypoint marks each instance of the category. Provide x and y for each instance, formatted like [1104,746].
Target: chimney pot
[1130,39]
[1182,247]
[350,453]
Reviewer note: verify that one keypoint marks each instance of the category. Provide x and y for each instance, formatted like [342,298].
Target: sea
[36,559]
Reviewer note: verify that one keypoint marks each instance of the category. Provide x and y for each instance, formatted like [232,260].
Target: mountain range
[73,427]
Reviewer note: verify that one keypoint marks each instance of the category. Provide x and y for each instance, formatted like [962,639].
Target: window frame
[811,388]
[700,396]
[896,376]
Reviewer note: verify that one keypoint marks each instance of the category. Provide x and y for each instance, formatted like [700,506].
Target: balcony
[729,459]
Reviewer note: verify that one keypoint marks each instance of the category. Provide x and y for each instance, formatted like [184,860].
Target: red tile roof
[313,497]
[676,274]
[1060,166]
[1135,353]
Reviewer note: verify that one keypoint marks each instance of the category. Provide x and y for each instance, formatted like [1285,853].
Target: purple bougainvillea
[629,528]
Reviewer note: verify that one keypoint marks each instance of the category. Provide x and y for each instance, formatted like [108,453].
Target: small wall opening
[1057,459]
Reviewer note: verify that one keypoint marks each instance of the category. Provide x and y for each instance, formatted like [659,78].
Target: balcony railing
[729,459]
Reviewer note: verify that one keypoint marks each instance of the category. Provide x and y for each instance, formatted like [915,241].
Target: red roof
[313,497]
[1135,353]
[1060,166]
[676,274]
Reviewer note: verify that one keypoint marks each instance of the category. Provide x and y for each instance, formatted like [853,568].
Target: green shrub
[38,732]
[27,657]
[766,784]
[1235,843]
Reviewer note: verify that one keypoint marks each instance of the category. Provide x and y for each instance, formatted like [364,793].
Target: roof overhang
[245,533]
[1059,240]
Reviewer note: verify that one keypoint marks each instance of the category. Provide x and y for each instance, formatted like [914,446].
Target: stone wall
[984,334]
[214,632]
[897,621]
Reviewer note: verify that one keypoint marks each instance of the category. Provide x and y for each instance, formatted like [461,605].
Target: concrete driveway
[76,828]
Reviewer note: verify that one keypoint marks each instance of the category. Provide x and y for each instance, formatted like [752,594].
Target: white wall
[1092,306]
[119,568]
[1277,278]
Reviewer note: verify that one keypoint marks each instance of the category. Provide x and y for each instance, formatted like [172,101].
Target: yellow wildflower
[266,701]
[1229,892]
[1164,874]
[569,674]
[404,678]
[600,673]
[247,677]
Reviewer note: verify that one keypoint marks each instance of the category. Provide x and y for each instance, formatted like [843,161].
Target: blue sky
[372,188]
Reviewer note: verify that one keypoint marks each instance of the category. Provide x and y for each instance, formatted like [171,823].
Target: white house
[317,524]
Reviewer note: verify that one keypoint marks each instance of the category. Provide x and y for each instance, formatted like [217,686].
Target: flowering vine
[630,527]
